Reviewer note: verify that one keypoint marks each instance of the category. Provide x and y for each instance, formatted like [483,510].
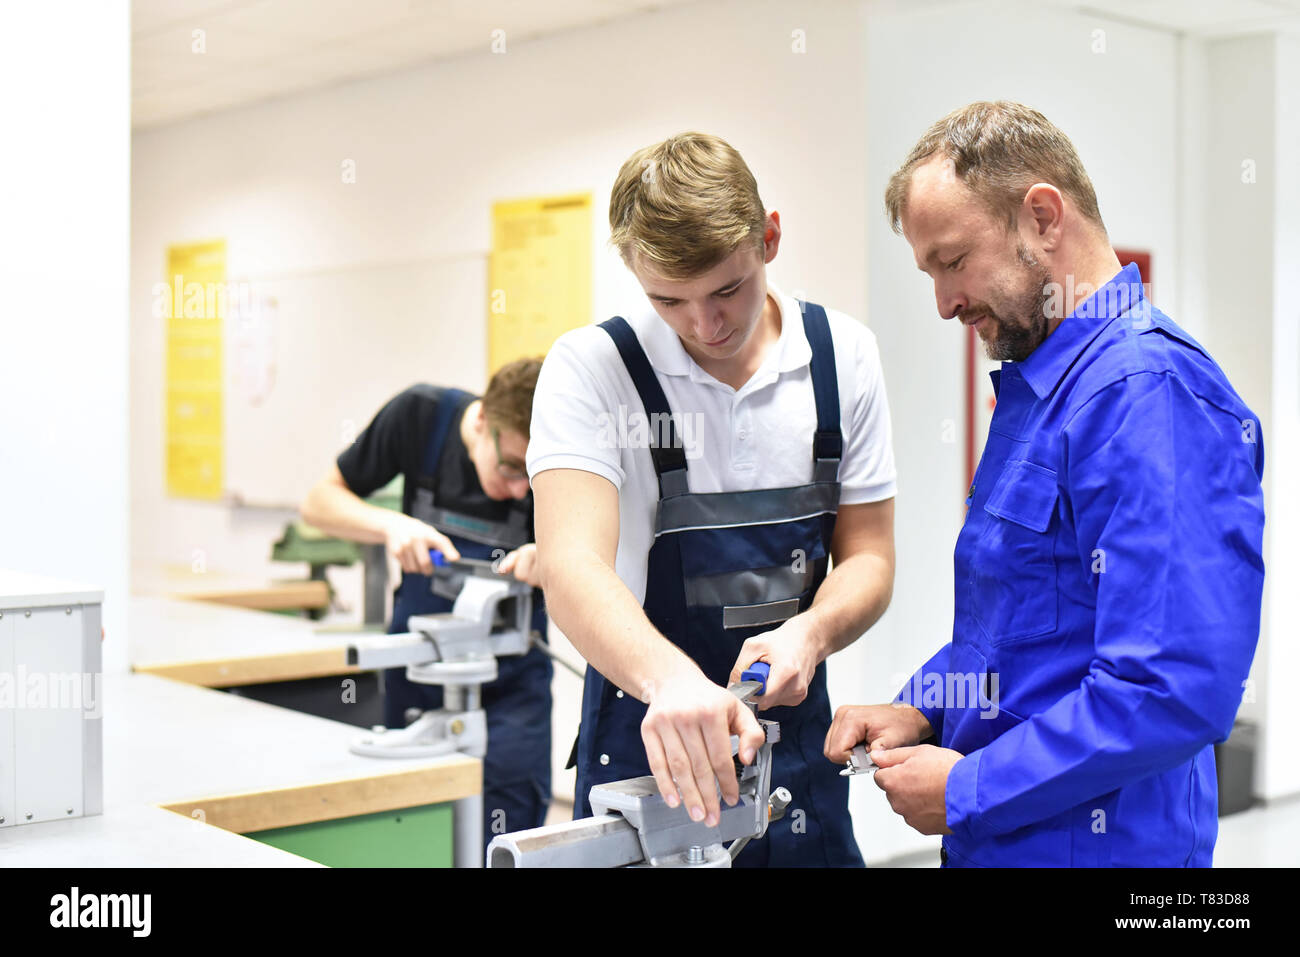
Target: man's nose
[706,321]
[950,301]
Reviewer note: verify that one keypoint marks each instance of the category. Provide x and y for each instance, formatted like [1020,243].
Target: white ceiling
[1198,17]
[259,49]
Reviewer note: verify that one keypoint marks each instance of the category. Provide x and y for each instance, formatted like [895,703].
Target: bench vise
[632,826]
[492,616]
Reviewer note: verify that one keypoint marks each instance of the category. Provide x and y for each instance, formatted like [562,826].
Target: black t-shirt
[395,443]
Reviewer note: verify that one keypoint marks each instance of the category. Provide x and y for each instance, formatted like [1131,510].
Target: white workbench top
[166,742]
[172,629]
[136,836]
[24,590]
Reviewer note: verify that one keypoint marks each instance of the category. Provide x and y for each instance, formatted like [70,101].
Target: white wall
[1192,180]
[1250,267]
[1238,266]
[64,219]
[1278,772]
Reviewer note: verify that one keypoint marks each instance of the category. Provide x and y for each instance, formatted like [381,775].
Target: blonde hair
[684,205]
[999,150]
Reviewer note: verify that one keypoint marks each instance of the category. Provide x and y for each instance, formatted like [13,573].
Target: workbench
[191,774]
[220,647]
[224,588]
[273,658]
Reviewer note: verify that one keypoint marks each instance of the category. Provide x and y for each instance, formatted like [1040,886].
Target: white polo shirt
[587,415]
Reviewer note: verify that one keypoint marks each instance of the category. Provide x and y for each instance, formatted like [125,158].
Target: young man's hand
[686,732]
[523,564]
[880,726]
[408,540]
[793,654]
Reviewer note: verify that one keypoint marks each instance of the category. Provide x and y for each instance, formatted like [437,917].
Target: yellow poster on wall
[193,303]
[539,274]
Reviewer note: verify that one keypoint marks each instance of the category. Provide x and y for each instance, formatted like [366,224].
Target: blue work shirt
[1108,585]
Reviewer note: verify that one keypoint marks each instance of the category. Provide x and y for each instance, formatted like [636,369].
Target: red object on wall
[1143,261]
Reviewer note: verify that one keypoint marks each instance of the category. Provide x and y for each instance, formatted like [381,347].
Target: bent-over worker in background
[466,494]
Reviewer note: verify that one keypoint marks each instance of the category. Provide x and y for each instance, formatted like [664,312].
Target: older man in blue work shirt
[1109,572]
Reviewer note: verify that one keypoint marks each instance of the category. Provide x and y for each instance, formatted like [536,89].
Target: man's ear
[771,235]
[1043,214]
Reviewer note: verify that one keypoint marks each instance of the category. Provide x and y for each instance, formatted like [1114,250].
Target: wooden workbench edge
[230,672]
[283,596]
[250,811]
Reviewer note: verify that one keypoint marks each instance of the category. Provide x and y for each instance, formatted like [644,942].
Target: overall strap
[828,441]
[670,459]
[448,402]
[458,526]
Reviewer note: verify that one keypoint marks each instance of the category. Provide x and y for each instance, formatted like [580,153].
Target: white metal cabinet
[51,740]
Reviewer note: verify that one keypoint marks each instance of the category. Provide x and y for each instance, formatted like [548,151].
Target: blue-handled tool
[758,671]
[437,557]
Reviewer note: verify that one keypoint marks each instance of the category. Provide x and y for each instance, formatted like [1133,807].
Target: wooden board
[328,800]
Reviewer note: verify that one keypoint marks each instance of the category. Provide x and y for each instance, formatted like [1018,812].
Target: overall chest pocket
[1013,571]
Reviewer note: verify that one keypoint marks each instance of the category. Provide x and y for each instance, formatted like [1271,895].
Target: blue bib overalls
[725,567]
[517,768]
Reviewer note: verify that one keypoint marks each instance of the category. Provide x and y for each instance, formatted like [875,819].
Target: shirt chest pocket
[1013,570]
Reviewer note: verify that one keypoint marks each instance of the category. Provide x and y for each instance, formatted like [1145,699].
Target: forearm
[851,599]
[1102,737]
[337,511]
[602,619]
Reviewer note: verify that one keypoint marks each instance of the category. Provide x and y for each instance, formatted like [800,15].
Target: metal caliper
[632,826]
[859,762]
[491,616]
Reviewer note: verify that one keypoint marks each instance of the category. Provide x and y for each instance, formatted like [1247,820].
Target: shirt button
[604,759]
[618,694]
[742,435]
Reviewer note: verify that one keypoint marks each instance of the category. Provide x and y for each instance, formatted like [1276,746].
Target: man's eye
[953,264]
[729,293]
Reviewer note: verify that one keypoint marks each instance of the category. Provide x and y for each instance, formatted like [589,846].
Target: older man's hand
[915,780]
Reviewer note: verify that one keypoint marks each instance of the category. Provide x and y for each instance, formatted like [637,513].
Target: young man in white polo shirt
[674,568]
